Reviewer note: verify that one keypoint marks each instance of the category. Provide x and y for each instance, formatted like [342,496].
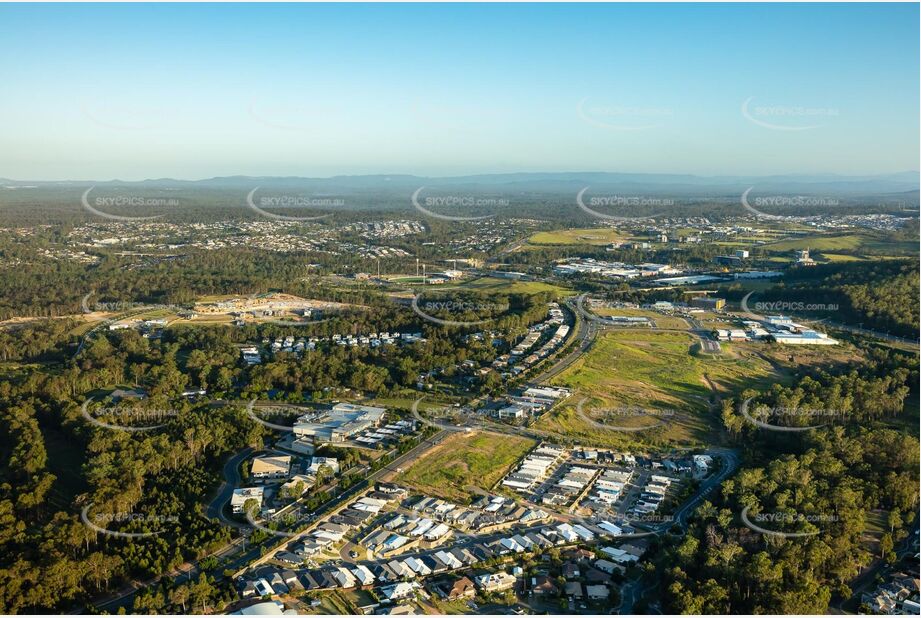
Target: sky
[135,91]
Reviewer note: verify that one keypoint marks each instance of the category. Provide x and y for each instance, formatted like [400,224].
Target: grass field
[838,257]
[850,242]
[589,236]
[463,463]
[651,370]
[508,286]
[844,242]
[798,358]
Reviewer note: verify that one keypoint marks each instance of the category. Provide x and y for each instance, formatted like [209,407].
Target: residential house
[462,588]
[399,591]
[597,592]
[543,585]
[495,582]
[573,590]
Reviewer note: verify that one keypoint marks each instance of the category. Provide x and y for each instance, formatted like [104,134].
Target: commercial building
[728,260]
[339,424]
[271,467]
[705,302]
[318,462]
[240,497]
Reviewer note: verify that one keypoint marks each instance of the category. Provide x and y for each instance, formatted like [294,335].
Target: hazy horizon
[453,90]
[387,175]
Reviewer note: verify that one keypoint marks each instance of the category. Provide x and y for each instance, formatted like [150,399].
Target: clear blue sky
[191,91]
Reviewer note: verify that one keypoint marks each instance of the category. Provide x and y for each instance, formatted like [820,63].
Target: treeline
[208,357]
[882,295]
[692,254]
[860,392]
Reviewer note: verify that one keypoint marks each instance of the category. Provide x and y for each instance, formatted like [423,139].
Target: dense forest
[823,483]
[882,295]
[52,560]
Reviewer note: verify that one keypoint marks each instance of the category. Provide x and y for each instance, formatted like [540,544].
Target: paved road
[339,501]
[184,574]
[585,335]
[869,333]
[730,463]
[633,590]
[707,345]
[231,481]
[586,332]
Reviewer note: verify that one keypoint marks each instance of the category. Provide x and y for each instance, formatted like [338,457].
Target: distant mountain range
[533,194]
[678,185]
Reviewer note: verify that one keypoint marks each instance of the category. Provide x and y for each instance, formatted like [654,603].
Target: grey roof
[309,582]
[432,563]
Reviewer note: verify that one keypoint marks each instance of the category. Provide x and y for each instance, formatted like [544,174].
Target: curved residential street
[231,481]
